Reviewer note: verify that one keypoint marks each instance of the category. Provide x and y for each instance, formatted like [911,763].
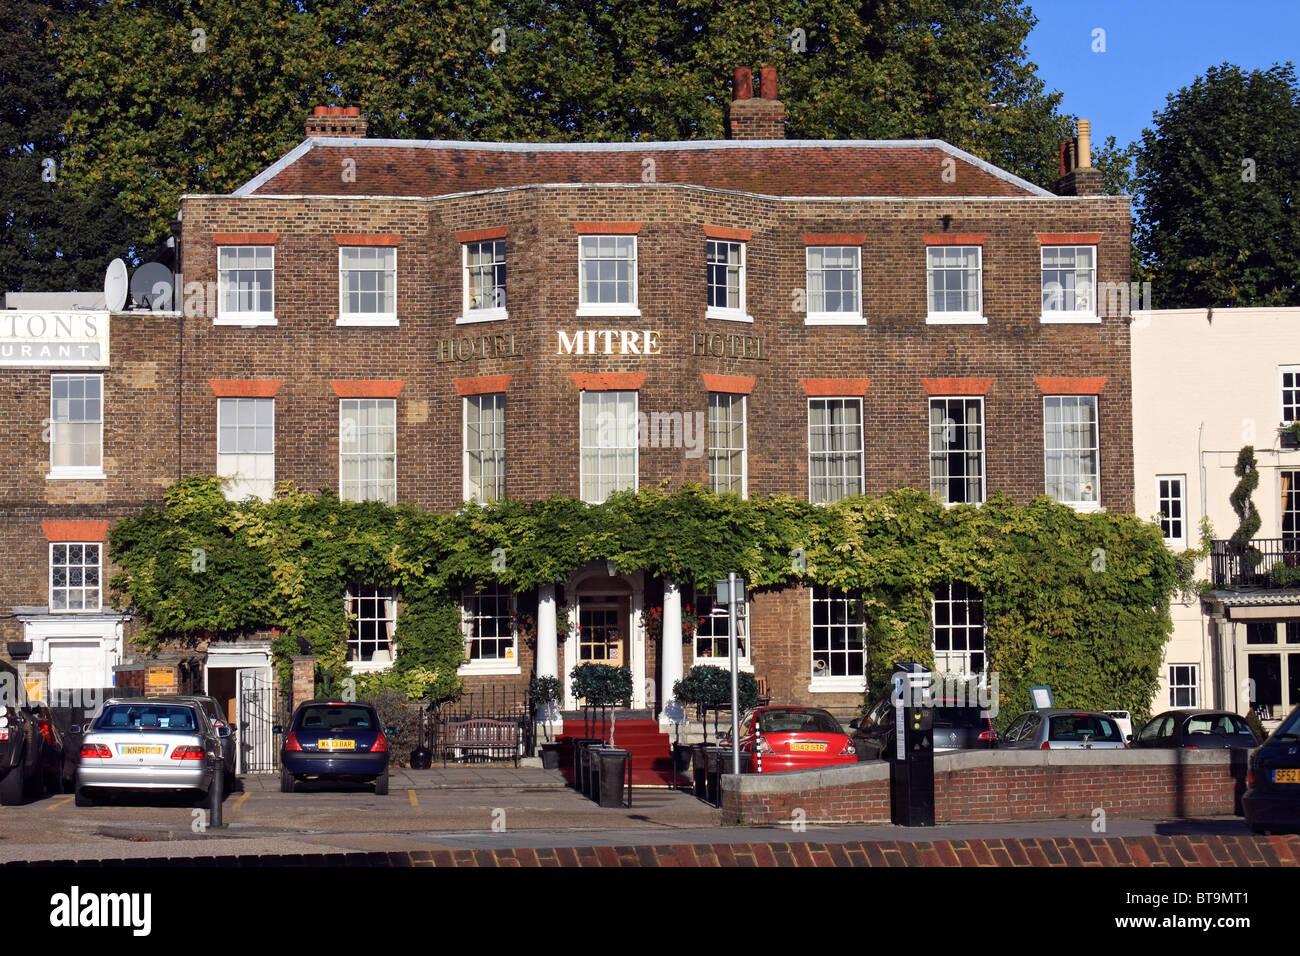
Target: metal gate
[262,705]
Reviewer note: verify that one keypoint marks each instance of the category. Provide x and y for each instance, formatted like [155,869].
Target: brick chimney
[750,118]
[340,121]
[1078,177]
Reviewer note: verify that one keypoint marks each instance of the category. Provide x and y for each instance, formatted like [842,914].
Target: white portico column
[670,651]
[548,654]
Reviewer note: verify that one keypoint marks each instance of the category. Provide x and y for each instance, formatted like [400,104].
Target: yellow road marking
[62,803]
[240,802]
[411,794]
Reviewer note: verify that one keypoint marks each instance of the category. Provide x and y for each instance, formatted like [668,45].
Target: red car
[793,738]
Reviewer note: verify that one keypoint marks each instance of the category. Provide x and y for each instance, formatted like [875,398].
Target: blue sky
[1152,48]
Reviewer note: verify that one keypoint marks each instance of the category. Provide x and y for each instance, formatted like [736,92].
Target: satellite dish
[115,285]
[152,287]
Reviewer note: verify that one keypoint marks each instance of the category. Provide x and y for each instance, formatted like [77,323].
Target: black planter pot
[550,756]
[19,650]
[421,758]
[612,763]
[581,764]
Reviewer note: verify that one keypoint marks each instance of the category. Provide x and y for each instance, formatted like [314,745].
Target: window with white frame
[834,290]
[954,284]
[727,456]
[610,434]
[76,426]
[485,280]
[1069,283]
[957,450]
[488,622]
[1072,457]
[485,447]
[835,459]
[246,447]
[1171,504]
[607,282]
[1184,685]
[368,449]
[713,636]
[246,285]
[1290,376]
[374,614]
[74,576]
[957,617]
[367,285]
[1290,482]
[726,280]
[838,648]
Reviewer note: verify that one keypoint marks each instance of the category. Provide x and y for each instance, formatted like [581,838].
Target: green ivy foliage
[1078,601]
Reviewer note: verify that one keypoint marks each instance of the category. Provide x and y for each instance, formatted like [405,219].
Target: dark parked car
[956,727]
[334,740]
[1196,729]
[1272,799]
[31,749]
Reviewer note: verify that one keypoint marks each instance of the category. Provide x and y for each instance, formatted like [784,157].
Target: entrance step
[651,750]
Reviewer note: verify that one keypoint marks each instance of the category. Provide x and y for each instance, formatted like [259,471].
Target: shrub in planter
[542,692]
[709,688]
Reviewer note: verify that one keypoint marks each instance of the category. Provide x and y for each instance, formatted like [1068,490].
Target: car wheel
[286,782]
[83,799]
[381,785]
[12,786]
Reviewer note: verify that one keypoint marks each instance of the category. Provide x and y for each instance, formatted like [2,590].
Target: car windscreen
[145,717]
[798,721]
[1079,726]
[960,718]
[1223,725]
[336,717]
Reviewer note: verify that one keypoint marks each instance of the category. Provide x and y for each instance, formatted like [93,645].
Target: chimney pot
[319,111]
[767,83]
[742,85]
[1083,150]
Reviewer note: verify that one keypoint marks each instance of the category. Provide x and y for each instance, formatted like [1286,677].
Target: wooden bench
[499,738]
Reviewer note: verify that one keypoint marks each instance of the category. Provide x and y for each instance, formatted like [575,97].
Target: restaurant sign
[53,339]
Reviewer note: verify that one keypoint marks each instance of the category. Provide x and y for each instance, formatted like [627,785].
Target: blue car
[1272,800]
[334,740]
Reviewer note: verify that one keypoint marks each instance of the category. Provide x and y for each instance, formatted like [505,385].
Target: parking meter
[911,758]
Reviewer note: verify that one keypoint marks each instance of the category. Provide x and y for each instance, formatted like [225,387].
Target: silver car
[1062,730]
[148,744]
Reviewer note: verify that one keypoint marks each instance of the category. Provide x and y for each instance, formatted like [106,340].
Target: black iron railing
[494,702]
[1261,563]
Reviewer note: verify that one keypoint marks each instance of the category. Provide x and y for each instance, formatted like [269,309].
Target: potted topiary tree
[603,686]
[543,695]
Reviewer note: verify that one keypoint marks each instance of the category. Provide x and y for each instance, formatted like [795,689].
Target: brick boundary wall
[1000,786]
[1157,851]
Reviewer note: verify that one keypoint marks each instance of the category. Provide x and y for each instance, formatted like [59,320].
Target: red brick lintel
[482,235]
[834,387]
[1069,238]
[607,228]
[1070,386]
[723,232]
[245,238]
[362,388]
[484,385]
[954,238]
[957,386]
[834,238]
[731,384]
[74,530]
[367,239]
[245,388]
[608,381]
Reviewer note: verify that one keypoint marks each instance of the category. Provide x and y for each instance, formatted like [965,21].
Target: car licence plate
[1291,775]
[815,747]
[133,749]
[337,745]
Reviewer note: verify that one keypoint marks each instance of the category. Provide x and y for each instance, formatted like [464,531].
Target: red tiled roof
[387,167]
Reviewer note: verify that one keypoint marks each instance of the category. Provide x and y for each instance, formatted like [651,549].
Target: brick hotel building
[428,322]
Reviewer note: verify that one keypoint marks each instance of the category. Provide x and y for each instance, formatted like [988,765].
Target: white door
[76,664]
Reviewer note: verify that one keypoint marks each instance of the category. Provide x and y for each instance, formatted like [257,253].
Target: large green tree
[160,110]
[53,237]
[1218,223]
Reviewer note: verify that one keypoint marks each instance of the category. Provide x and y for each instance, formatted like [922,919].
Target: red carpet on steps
[652,750]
